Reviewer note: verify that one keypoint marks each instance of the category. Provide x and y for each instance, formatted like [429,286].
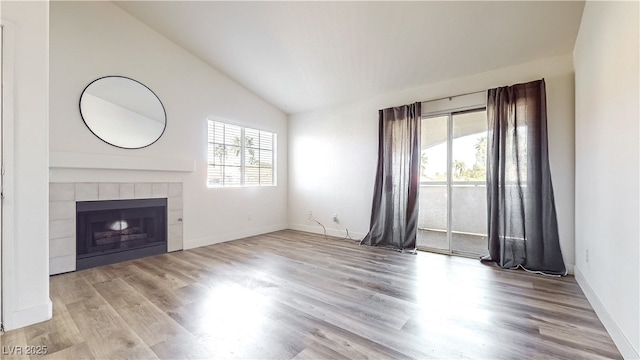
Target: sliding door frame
[450,113]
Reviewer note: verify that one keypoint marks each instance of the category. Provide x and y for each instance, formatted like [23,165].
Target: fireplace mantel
[67,160]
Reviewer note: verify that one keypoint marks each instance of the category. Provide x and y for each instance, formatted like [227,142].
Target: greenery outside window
[239,156]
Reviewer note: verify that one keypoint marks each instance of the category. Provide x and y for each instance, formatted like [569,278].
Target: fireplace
[119,230]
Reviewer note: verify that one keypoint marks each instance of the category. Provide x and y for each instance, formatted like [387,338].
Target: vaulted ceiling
[301,56]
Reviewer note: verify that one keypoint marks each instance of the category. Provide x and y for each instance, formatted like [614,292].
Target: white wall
[333,153]
[607,176]
[94,39]
[25,253]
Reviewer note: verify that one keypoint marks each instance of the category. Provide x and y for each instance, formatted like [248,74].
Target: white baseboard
[29,316]
[210,240]
[570,269]
[617,335]
[317,229]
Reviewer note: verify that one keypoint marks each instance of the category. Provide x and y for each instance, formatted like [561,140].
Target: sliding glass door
[453,198]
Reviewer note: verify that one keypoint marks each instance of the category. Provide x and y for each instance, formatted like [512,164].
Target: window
[240,156]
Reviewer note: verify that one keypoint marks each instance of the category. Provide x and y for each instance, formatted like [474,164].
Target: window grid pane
[232,134]
[215,176]
[251,175]
[251,157]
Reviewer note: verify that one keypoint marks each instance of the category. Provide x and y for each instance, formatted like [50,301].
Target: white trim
[617,335]
[317,229]
[29,316]
[68,160]
[8,227]
[570,268]
[210,240]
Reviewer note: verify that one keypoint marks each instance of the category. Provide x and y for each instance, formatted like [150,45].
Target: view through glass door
[453,196]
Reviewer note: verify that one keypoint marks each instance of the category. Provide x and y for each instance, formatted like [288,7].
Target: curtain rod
[454,96]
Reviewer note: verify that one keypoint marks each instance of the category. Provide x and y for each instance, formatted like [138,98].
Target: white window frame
[211,160]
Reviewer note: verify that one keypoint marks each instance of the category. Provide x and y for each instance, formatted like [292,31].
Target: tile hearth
[62,212]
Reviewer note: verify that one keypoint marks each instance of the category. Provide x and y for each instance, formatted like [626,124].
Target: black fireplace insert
[112,231]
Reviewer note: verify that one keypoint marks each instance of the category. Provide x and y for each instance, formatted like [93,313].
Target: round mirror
[122,112]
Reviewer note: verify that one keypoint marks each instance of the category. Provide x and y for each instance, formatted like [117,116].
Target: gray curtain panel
[522,224]
[394,212]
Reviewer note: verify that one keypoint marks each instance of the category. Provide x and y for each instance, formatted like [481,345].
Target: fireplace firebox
[112,231]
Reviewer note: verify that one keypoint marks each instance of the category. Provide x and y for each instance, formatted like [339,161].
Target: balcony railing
[468,216]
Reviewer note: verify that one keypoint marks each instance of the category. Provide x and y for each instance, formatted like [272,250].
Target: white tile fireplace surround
[62,214]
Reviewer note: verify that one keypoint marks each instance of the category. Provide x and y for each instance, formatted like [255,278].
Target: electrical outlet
[310,214]
[586,256]
[335,218]
[250,217]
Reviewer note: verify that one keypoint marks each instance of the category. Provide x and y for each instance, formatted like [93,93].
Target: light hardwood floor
[291,294]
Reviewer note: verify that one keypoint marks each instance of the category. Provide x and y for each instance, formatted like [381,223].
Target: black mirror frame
[118,146]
